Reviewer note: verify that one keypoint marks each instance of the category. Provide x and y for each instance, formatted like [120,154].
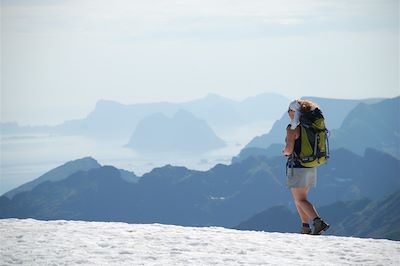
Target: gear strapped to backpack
[314,139]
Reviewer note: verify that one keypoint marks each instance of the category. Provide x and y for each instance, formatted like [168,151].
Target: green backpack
[314,139]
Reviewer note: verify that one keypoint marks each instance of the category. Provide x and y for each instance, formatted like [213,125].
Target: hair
[307,105]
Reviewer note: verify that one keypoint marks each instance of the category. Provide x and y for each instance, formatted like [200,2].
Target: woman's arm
[291,136]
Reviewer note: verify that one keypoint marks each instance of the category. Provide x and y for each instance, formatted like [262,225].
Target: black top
[297,149]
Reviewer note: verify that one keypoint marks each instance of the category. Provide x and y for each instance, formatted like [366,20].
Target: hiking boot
[319,226]
[305,230]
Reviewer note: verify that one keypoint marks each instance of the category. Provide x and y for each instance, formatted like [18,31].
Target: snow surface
[33,242]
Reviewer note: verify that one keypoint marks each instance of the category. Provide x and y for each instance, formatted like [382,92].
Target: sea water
[26,157]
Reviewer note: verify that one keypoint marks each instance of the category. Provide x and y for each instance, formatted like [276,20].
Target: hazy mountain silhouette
[360,218]
[272,151]
[111,119]
[57,174]
[62,172]
[223,112]
[379,219]
[182,132]
[371,125]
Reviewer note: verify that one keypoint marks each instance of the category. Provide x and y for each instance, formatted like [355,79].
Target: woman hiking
[299,178]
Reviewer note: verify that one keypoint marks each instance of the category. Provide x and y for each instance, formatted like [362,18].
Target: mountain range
[371,125]
[114,120]
[225,195]
[64,171]
[359,218]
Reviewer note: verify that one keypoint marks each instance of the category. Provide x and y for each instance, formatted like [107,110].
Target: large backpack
[314,139]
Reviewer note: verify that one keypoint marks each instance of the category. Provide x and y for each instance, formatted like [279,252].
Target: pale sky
[58,58]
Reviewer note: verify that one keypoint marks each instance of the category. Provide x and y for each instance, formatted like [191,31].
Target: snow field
[32,242]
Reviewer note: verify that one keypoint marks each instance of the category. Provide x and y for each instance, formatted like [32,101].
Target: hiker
[299,177]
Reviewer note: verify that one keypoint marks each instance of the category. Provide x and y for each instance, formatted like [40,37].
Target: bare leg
[305,209]
[303,216]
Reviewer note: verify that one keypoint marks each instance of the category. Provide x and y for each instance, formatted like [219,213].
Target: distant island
[183,132]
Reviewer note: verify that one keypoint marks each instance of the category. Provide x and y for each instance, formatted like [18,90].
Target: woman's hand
[286,151]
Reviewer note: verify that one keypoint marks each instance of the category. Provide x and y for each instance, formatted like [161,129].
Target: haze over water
[24,158]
